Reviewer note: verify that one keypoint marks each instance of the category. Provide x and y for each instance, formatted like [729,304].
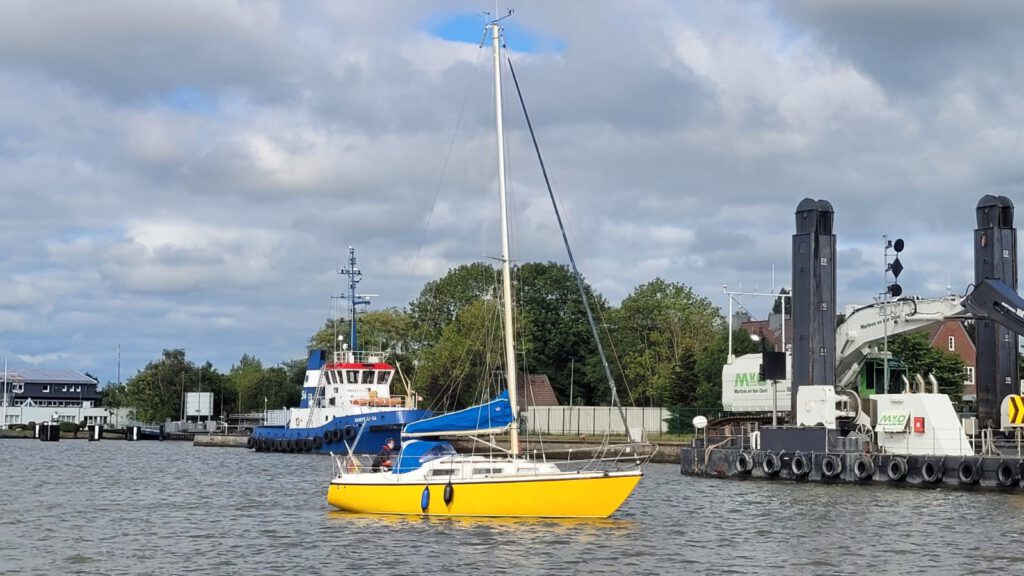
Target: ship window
[367,376]
[382,376]
[952,343]
[353,376]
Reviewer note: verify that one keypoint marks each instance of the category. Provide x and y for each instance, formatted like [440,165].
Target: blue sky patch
[470,28]
[189,99]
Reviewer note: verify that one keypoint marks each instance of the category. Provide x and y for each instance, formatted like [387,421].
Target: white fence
[580,420]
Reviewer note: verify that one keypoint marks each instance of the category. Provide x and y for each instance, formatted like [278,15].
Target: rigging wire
[572,260]
[470,85]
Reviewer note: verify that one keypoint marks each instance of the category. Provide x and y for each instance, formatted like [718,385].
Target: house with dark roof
[41,394]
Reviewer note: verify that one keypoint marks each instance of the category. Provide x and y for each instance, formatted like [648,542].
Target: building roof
[48,376]
[536,392]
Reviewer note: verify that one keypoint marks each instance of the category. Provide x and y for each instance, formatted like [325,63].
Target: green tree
[255,386]
[441,300]
[157,392]
[556,337]
[777,306]
[915,350]
[653,327]
[459,369]
[114,395]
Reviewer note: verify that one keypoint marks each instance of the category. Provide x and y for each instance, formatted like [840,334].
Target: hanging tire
[800,465]
[897,469]
[335,434]
[968,472]
[770,465]
[307,444]
[250,442]
[744,463]
[318,442]
[349,433]
[863,467]
[931,471]
[1007,474]
[831,466]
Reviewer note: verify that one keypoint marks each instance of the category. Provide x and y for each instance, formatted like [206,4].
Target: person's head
[390,442]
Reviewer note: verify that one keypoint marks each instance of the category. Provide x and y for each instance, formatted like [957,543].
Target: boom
[867,326]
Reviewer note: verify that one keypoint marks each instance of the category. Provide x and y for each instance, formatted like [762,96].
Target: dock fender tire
[968,471]
[770,464]
[931,471]
[863,467]
[349,432]
[307,444]
[250,442]
[335,434]
[897,469]
[831,466]
[1007,474]
[318,442]
[744,463]
[800,465]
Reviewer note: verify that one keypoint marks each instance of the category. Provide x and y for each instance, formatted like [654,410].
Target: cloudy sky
[190,174]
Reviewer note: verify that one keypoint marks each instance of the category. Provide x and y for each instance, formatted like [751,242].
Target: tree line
[666,346]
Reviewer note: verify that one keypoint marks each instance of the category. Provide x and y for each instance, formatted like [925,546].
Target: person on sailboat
[382,461]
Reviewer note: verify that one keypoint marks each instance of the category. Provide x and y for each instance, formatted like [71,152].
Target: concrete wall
[579,420]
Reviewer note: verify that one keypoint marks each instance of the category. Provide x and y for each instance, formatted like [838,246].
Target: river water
[115,507]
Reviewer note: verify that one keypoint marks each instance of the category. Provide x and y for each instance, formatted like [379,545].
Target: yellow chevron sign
[1015,410]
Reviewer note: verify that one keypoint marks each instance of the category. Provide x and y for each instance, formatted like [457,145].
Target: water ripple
[114,507]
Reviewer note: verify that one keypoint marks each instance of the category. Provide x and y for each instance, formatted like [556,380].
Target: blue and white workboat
[347,405]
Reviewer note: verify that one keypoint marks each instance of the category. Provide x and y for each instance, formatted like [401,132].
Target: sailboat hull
[584,495]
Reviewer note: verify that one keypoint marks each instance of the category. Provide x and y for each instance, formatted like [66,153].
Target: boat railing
[361,356]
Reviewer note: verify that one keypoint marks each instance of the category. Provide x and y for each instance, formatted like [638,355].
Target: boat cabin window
[437,452]
[442,472]
[367,376]
[487,470]
[382,376]
[352,376]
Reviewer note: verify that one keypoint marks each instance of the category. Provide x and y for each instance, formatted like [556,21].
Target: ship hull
[337,434]
[567,495]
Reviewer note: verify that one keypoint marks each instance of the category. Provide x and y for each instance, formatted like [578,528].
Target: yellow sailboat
[430,477]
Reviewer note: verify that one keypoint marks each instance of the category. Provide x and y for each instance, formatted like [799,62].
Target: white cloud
[194,179]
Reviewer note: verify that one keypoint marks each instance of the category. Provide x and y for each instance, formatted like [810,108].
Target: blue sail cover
[495,416]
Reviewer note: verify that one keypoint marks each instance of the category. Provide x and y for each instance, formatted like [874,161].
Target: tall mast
[354,276]
[506,269]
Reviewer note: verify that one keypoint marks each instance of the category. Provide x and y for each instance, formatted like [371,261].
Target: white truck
[858,362]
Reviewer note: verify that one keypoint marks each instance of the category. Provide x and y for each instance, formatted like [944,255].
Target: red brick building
[951,336]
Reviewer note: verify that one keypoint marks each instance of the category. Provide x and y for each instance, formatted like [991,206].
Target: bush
[68,427]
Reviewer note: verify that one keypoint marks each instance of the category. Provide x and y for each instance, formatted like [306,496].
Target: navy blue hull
[335,435]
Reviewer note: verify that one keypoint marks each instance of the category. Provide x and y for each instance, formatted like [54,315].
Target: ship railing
[361,356]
